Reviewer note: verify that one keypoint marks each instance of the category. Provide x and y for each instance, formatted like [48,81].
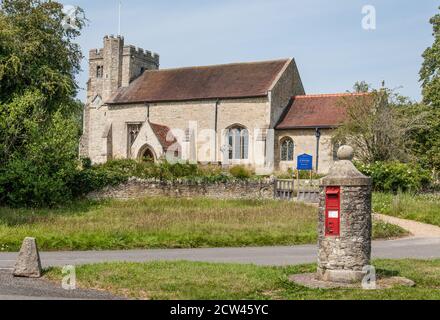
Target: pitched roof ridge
[159,125]
[221,65]
[331,95]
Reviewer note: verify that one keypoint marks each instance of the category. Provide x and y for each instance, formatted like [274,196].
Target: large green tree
[427,139]
[430,72]
[38,112]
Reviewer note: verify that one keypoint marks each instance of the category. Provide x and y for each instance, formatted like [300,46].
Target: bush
[303,175]
[41,171]
[241,172]
[396,176]
[116,172]
[96,178]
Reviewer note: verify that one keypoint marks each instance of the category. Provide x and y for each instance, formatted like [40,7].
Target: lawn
[200,281]
[423,208]
[166,223]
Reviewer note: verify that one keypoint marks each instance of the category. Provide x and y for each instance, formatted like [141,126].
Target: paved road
[38,289]
[417,248]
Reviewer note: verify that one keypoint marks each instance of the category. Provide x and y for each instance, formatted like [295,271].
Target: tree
[430,72]
[39,129]
[377,127]
[427,139]
[361,87]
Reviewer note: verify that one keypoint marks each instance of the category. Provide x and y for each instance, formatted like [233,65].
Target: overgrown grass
[196,281]
[424,207]
[166,223]
[161,223]
[384,230]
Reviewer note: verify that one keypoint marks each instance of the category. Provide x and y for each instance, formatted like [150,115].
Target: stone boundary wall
[139,188]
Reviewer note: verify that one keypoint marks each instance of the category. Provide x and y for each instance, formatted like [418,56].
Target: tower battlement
[115,65]
[141,54]
[96,54]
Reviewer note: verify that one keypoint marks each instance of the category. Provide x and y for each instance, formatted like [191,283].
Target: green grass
[196,281]
[384,230]
[166,223]
[423,208]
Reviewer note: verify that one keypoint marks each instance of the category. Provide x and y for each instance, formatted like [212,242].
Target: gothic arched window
[287,149]
[238,141]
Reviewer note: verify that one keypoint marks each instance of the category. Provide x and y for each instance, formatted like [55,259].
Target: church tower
[115,66]
[110,68]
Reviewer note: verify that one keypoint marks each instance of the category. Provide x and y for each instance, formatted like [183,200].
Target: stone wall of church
[305,142]
[288,85]
[200,115]
[253,115]
[119,117]
[97,134]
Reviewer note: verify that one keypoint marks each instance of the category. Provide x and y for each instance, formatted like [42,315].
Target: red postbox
[332,211]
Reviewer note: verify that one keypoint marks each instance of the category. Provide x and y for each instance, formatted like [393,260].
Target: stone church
[255,114]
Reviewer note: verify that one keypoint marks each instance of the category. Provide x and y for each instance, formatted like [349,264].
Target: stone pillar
[342,257]
[28,264]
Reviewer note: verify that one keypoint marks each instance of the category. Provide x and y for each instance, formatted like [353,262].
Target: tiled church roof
[161,133]
[240,80]
[316,111]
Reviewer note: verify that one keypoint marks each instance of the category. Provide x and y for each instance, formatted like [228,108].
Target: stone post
[342,257]
[28,264]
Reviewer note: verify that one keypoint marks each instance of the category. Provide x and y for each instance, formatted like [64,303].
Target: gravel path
[417,229]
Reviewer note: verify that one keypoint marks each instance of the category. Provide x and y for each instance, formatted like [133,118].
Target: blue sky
[326,38]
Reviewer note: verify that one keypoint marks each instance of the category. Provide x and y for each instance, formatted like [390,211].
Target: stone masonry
[342,258]
[139,188]
[110,68]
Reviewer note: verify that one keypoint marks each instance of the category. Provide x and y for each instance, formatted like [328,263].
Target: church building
[255,114]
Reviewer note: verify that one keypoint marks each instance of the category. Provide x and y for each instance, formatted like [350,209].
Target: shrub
[303,175]
[40,172]
[97,177]
[86,163]
[241,172]
[118,171]
[396,176]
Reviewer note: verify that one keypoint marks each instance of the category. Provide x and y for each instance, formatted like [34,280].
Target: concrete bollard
[28,264]
[345,222]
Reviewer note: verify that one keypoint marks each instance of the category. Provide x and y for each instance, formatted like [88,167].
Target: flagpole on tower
[119,19]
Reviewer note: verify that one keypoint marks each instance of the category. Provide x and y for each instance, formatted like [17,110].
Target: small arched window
[287,149]
[238,141]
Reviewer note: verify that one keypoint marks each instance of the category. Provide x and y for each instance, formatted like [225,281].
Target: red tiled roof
[161,133]
[316,111]
[239,80]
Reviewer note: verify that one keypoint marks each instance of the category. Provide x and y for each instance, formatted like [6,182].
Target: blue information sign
[305,162]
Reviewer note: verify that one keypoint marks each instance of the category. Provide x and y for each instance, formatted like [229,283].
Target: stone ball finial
[346,153]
